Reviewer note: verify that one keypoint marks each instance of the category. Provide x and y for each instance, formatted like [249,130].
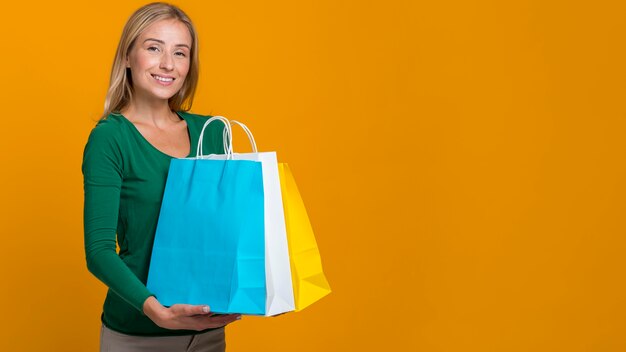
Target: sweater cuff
[142,301]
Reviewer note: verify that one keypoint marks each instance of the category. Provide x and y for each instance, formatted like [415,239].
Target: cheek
[146,62]
[183,68]
[182,78]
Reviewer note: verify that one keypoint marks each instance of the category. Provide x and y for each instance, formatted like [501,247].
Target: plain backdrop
[462,163]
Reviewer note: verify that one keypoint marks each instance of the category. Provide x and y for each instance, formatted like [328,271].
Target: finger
[190,310]
[205,309]
[234,315]
[226,319]
[202,323]
[229,316]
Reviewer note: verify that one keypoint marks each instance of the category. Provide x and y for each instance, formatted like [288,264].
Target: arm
[103,172]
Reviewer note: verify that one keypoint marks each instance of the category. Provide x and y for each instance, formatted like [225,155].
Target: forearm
[104,263]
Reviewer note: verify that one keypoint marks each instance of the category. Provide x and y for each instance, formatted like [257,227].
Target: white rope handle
[225,140]
[228,149]
[250,136]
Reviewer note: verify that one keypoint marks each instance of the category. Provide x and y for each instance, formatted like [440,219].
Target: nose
[167,62]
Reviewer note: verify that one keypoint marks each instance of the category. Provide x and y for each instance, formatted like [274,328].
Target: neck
[157,112]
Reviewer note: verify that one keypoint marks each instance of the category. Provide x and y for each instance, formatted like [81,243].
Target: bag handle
[228,149]
[250,136]
[226,136]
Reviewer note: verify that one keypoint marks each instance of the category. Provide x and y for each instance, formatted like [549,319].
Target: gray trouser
[210,341]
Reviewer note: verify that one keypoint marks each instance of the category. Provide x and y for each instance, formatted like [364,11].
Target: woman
[146,123]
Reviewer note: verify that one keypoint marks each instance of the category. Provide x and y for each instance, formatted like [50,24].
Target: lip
[161,82]
[164,76]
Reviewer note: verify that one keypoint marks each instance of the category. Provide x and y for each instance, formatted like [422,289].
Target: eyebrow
[162,42]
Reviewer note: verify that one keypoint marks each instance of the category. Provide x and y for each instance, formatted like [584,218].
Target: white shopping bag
[280,297]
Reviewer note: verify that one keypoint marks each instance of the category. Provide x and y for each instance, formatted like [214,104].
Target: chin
[165,95]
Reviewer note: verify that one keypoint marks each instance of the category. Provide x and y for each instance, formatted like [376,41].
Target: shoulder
[213,134]
[106,137]
[108,129]
[103,150]
[196,119]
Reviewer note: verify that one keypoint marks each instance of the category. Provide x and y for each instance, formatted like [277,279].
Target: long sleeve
[103,170]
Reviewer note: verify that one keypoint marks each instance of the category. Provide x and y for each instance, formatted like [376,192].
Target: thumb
[189,310]
[203,309]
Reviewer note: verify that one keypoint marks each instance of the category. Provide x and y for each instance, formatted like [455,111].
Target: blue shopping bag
[209,246]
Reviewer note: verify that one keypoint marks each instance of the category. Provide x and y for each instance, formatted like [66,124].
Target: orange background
[462,163]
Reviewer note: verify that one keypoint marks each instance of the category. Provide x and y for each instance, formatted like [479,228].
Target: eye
[152,47]
[181,54]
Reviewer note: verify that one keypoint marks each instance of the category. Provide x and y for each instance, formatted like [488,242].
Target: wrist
[153,309]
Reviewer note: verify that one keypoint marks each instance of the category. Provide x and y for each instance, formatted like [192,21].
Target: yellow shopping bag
[309,282]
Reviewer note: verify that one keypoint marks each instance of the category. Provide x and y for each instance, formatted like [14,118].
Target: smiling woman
[146,122]
[161,56]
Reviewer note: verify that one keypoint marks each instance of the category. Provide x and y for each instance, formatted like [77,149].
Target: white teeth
[163,79]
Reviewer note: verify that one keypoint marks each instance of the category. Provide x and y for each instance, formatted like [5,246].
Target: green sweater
[124,180]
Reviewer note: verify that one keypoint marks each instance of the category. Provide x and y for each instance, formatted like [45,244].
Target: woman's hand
[185,316]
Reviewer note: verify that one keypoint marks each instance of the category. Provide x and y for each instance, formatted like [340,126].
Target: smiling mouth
[163,79]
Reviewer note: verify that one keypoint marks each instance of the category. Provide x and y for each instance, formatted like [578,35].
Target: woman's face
[159,60]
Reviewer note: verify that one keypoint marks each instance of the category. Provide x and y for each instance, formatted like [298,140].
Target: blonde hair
[120,90]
